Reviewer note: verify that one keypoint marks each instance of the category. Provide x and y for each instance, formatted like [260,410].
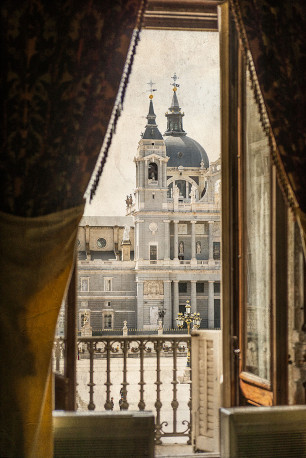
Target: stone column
[193,296]
[175,301]
[160,174]
[211,305]
[210,241]
[164,174]
[176,240]
[137,174]
[141,254]
[145,173]
[139,304]
[167,304]
[167,239]
[193,242]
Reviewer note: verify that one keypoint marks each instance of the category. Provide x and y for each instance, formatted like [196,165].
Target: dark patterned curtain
[61,65]
[274,33]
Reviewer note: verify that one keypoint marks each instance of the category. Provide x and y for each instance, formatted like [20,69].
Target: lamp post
[188,318]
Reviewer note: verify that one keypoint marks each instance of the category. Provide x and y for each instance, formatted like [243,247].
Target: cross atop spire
[151,90]
[174,84]
[174,116]
[151,131]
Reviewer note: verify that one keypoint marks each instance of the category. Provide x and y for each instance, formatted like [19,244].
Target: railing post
[125,347]
[108,404]
[174,403]
[158,404]
[91,384]
[141,404]
[190,398]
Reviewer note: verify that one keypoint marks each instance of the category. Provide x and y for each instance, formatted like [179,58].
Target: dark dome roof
[185,151]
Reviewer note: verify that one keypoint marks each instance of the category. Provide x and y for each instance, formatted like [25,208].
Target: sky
[194,57]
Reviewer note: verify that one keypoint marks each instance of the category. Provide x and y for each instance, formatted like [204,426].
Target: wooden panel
[178,15]
[206,389]
[255,394]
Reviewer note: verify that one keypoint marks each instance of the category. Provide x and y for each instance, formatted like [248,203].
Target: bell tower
[151,166]
[151,189]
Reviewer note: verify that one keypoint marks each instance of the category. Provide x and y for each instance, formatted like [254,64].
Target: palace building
[143,266]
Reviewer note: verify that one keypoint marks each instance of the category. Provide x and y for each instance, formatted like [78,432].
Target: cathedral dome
[185,151]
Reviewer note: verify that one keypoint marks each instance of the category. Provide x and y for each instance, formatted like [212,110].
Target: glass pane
[257,242]
[153,252]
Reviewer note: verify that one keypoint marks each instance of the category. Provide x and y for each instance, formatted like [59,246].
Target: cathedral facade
[141,268]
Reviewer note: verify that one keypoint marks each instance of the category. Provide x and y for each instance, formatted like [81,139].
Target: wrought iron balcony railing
[113,366]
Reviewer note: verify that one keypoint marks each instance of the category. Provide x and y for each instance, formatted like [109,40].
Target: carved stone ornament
[153,288]
[153,227]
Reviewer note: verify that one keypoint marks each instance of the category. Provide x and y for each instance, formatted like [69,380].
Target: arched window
[153,171]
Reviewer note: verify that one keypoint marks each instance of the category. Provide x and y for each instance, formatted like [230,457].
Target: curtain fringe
[118,106]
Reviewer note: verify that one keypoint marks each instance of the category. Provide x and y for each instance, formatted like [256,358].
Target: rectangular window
[84,284]
[182,308]
[108,321]
[200,287]
[216,250]
[182,287]
[217,288]
[153,252]
[107,284]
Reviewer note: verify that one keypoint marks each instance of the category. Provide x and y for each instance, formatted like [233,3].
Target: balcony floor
[180,450]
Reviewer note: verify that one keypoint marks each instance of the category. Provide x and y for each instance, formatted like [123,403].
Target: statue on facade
[193,193]
[86,318]
[176,192]
[129,200]
[125,328]
[126,234]
[181,248]
[198,248]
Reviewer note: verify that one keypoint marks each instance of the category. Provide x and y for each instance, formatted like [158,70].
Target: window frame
[81,284]
[105,313]
[108,281]
[155,245]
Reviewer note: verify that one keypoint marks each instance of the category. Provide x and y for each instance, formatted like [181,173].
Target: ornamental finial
[174,84]
[151,90]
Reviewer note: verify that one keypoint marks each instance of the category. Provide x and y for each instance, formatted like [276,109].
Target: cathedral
[141,268]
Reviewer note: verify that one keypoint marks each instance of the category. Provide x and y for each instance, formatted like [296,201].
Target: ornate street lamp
[188,318]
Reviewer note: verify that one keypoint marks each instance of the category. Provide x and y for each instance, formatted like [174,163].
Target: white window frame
[108,284]
[156,245]
[81,284]
[108,313]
